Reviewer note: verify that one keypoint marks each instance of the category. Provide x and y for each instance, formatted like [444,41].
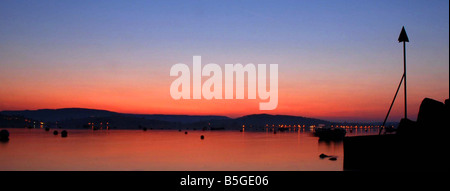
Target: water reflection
[36,149]
[334,148]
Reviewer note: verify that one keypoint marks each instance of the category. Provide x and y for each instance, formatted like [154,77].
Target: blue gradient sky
[338,60]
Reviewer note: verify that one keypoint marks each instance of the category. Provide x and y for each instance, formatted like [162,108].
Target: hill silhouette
[54,115]
[81,118]
[266,119]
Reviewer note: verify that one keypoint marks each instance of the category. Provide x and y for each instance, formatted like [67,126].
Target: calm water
[36,149]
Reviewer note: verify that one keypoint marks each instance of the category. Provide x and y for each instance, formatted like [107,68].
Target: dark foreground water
[36,149]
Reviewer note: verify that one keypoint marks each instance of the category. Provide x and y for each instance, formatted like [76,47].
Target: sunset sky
[338,60]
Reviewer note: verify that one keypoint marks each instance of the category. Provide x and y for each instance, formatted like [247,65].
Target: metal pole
[404,73]
[389,111]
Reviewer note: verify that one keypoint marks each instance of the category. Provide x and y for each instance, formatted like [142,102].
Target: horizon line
[341,120]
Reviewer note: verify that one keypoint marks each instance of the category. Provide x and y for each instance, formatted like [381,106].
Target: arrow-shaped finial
[403,36]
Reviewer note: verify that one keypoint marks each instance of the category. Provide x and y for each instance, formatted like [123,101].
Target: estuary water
[154,150]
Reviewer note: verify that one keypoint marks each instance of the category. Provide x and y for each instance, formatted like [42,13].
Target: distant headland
[82,118]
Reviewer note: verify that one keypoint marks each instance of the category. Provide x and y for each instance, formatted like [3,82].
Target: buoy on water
[333,158]
[64,133]
[4,135]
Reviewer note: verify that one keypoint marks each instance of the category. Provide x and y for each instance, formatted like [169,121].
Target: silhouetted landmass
[179,118]
[54,115]
[7,121]
[266,119]
[417,145]
[80,118]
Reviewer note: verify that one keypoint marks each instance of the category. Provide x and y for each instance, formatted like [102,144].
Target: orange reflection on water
[35,149]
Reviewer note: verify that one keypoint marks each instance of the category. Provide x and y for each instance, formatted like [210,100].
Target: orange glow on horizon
[331,97]
[318,103]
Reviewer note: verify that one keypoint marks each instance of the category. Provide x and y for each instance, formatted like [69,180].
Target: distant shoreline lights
[212,87]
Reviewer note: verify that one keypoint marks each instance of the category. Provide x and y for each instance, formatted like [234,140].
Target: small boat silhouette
[329,133]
